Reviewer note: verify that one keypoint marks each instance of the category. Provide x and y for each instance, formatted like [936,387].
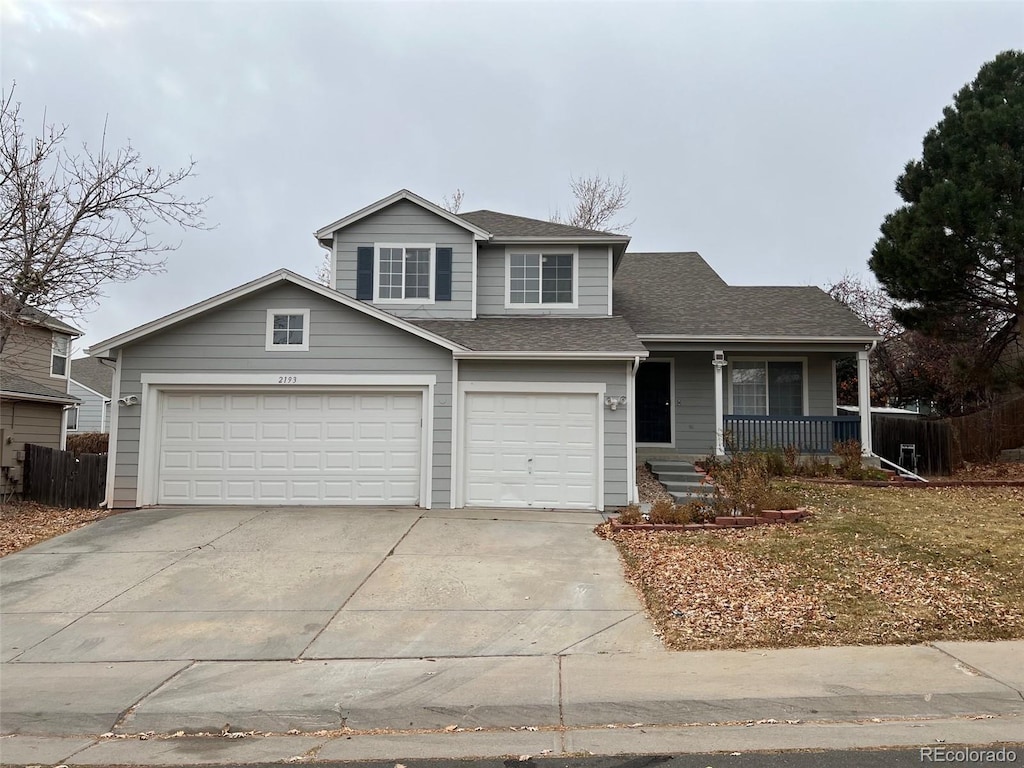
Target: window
[59,356]
[73,418]
[541,278]
[768,388]
[403,273]
[287,330]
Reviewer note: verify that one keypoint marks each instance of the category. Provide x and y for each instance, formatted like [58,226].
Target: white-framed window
[547,277]
[768,387]
[59,356]
[404,272]
[287,330]
[73,418]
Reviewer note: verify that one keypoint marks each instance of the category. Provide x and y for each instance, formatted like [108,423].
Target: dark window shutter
[364,273]
[443,286]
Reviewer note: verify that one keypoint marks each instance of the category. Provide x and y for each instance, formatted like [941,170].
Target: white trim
[271,346]
[835,395]
[535,388]
[472,355]
[541,253]
[632,492]
[402,194]
[671,401]
[473,269]
[154,384]
[455,434]
[772,359]
[54,336]
[281,276]
[432,247]
[864,400]
[610,260]
[115,395]
[759,339]
[719,365]
[64,427]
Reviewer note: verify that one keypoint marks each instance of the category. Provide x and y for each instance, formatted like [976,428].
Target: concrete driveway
[245,584]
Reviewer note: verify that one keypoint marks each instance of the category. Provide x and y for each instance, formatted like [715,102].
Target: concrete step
[695,488]
[670,466]
[680,477]
[686,498]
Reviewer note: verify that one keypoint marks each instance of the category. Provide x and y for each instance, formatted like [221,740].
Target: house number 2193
[287,379]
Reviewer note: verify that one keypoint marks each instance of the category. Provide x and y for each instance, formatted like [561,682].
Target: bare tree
[72,222]
[453,203]
[598,201]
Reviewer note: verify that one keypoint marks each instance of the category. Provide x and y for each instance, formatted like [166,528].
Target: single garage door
[532,450]
[289,448]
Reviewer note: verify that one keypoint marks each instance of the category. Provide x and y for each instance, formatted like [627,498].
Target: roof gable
[325,233]
[93,374]
[107,346]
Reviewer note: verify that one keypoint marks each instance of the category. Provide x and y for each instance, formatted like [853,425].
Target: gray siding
[28,354]
[232,339]
[25,422]
[593,283]
[90,411]
[406,222]
[611,374]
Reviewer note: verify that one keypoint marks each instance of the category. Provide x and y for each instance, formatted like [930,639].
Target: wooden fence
[61,479]
[931,440]
[980,436]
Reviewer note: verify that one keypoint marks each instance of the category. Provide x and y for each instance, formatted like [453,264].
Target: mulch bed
[24,523]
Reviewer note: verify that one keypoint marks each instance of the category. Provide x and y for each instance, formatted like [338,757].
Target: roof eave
[66,400]
[548,355]
[669,337]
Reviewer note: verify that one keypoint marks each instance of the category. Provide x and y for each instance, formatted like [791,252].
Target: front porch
[713,401]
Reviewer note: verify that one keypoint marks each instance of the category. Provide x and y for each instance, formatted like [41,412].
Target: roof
[680,295]
[506,225]
[402,194]
[38,317]
[13,385]
[91,372]
[550,335]
[103,348]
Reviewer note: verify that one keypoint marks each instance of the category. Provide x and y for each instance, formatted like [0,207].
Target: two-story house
[34,397]
[471,359]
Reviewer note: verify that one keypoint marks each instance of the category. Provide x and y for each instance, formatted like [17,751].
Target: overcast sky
[766,136]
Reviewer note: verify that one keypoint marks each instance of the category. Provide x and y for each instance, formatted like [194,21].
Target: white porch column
[864,400]
[719,362]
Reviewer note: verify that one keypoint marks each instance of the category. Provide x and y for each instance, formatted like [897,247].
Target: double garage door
[289,448]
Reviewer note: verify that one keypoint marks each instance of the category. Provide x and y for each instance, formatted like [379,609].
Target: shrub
[816,466]
[664,512]
[88,442]
[850,464]
[630,515]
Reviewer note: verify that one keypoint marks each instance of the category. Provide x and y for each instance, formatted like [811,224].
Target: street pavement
[396,633]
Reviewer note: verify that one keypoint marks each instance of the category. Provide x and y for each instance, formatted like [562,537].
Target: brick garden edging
[767,517]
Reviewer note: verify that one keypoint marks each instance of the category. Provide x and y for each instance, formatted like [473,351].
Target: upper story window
[768,387]
[287,330]
[73,418]
[59,356]
[542,278]
[405,273]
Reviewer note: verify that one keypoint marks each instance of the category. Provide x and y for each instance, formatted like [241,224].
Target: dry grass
[24,523]
[874,566]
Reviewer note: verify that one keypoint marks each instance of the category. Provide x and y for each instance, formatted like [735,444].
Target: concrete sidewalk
[779,699]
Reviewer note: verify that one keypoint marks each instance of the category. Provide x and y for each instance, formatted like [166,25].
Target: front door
[654,402]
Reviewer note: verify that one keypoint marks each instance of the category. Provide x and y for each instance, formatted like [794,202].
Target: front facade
[34,397]
[478,359]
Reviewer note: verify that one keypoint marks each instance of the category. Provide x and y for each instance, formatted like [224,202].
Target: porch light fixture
[129,400]
[615,402]
[718,360]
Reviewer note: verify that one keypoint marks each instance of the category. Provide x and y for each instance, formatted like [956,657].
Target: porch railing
[808,434]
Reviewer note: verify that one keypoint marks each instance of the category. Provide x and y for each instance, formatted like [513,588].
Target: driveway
[252,584]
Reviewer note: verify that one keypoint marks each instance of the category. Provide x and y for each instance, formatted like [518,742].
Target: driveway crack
[121,718]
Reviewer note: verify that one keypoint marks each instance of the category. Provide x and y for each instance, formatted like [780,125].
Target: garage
[527,449]
[294,447]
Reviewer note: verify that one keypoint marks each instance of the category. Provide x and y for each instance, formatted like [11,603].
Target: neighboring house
[33,392]
[472,359]
[91,382]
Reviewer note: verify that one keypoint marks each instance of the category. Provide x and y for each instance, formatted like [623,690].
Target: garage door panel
[534,450]
[289,449]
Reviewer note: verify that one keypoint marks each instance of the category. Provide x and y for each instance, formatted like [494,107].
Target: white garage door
[531,450]
[294,448]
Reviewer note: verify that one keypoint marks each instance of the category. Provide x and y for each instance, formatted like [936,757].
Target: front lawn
[873,566]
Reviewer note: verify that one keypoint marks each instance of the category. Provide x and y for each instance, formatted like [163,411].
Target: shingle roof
[539,334]
[679,294]
[91,372]
[18,385]
[507,225]
[38,317]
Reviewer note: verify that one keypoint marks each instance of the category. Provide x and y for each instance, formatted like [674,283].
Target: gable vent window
[287,330]
[541,278]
